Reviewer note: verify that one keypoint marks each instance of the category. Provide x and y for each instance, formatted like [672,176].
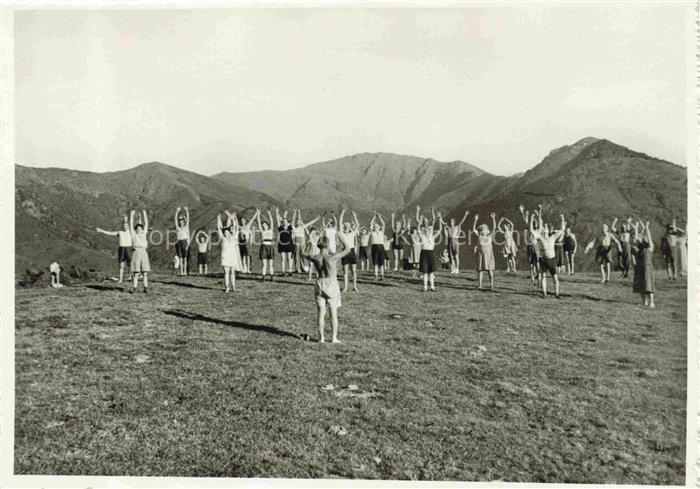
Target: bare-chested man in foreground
[327,289]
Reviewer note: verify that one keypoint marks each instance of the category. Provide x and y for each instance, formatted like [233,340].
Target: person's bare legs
[425,282]
[651,301]
[354,278]
[345,277]
[480,277]
[376,272]
[136,281]
[491,278]
[431,277]
[226,274]
[334,323]
[321,320]
[206,269]
[272,272]
[396,260]
[544,285]
[264,270]
[556,285]
[121,271]
[145,281]
[602,271]
[381,273]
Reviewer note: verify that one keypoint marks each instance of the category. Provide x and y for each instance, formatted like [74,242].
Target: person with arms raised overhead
[604,250]
[203,245]
[454,235]
[398,229]
[326,289]
[548,258]
[643,248]
[348,236]
[486,262]
[426,261]
[624,252]
[570,246]
[377,241]
[285,245]
[510,248]
[182,247]
[267,250]
[230,253]
[139,259]
[530,246]
[245,241]
[124,245]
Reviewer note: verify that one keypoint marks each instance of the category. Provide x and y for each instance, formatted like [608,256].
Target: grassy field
[458,384]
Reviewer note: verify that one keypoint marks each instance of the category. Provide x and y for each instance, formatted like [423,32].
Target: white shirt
[364,239]
[348,238]
[140,239]
[54,268]
[330,235]
[124,239]
[427,241]
[183,232]
[377,237]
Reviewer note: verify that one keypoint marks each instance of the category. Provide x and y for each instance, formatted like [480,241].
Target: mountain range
[591,181]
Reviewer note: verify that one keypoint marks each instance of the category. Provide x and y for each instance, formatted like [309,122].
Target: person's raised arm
[371,223]
[145,221]
[131,220]
[335,219]
[464,219]
[440,224]
[219,226]
[257,216]
[613,227]
[589,246]
[340,220]
[498,226]
[532,224]
[509,222]
[525,215]
[108,233]
[418,214]
[379,216]
[432,212]
[311,222]
[651,243]
[177,214]
[393,221]
[357,222]
[403,222]
[277,214]
[187,216]
[493,221]
[476,219]
[269,216]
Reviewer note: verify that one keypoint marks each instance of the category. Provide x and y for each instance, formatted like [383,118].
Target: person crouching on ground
[327,288]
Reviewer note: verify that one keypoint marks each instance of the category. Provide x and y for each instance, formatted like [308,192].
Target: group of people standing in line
[309,248]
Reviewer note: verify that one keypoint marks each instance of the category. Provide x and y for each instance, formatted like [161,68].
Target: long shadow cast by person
[182,284]
[192,316]
[104,288]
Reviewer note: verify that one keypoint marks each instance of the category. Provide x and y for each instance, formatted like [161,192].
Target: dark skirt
[378,255]
[243,250]
[643,272]
[426,261]
[267,252]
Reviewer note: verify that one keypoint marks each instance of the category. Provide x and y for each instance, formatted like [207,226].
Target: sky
[246,89]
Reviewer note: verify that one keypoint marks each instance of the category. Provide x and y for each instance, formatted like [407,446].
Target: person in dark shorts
[267,250]
[530,246]
[377,241]
[203,242]
[604,251]
[454,236]
[669,246]
[285,243]
[182,247]
[426,264]
[245,241]
[348,236]
[123,255]
[398,230]
[364,249]
[548,258]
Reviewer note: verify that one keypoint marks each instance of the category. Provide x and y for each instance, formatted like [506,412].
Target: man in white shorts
[327,289]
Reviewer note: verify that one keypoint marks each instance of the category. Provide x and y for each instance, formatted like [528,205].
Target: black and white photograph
[298,242]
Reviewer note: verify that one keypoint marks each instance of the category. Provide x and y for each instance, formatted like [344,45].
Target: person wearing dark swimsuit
[569,250]
[285,244]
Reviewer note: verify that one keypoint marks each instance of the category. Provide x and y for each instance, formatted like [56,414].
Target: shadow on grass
[104,288]
[182,284]
[235,324]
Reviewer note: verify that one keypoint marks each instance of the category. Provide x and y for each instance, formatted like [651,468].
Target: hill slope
[57,210]
[371,181]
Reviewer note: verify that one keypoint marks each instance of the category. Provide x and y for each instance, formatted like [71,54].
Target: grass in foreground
[457,384]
